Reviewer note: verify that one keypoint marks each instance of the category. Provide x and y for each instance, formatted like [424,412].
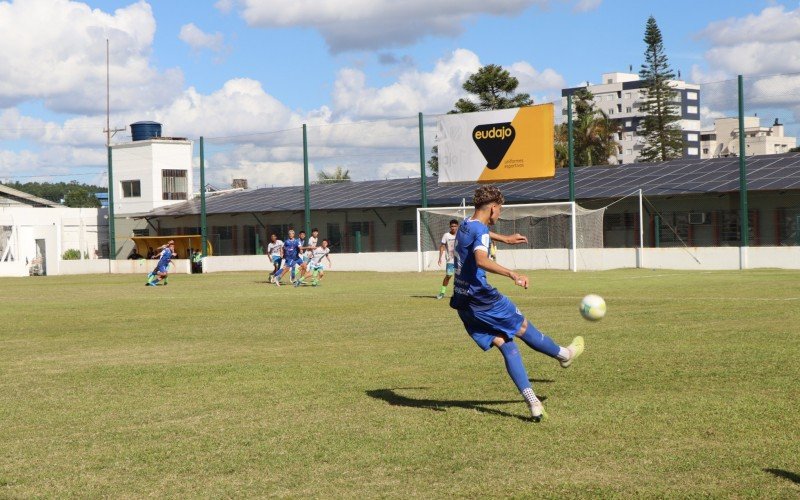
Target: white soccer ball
[593,307]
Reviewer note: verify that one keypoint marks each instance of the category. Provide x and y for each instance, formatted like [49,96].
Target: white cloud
[547,83]
[586,5]
[197,39]
[767,42]
[63,61]
[370,24]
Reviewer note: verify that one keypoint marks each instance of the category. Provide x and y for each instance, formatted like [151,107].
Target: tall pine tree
[660,127]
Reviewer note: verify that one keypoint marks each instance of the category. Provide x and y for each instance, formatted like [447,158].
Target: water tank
[142,131]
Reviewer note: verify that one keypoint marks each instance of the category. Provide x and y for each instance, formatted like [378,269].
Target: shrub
[71,254]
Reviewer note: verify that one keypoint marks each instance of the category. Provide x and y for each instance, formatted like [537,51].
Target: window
[691,137]
[693,151]
[628,123]
[691,96]
[705,151]
[691,110]
[628,151]
[174,185]
[609,97]
[610,111]
[141,232]
[628,109]
[280,230]
[131,189]
[407,228]
[627,95]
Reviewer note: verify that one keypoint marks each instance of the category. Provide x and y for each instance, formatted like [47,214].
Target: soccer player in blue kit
[489,317]
[291,256]
[160,272]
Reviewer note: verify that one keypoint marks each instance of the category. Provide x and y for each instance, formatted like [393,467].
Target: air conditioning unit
[697,218]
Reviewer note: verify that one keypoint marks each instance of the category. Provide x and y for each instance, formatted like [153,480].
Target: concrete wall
[101,266]
[693,258]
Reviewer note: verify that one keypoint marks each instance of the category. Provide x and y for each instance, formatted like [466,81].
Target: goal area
[557,234]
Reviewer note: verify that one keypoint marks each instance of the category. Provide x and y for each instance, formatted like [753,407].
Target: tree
[338,175]
[593,134]
[58,191]
[494,88]
[660,129]
[80,197]
[491,87]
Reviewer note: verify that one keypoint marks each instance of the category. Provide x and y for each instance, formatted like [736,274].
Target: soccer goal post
[557,233]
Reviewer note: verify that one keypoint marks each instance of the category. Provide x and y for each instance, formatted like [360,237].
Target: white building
[621,96]
[723,140]
[150,172]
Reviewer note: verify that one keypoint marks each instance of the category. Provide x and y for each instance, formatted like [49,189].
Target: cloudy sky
[247,74]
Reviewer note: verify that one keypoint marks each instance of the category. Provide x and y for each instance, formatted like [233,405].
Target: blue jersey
[163,261]
[291,248]
[471,290]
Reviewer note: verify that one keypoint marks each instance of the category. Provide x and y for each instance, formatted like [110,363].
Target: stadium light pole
[306,187]
[743,215]
[570,152]
[203,230]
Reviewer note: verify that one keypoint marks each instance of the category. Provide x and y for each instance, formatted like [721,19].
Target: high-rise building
[621,96]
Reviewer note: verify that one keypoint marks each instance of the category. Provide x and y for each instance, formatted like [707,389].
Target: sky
[247,74]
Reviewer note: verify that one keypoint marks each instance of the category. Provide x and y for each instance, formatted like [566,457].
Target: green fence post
[203,229]
[744,223]
[570,149]
[423,176]
[657,223]
[112,235]
[306,187]
[358,241]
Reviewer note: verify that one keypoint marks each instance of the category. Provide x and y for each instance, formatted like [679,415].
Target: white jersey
[312,242]
[274,249]
[319,254]
[449,242]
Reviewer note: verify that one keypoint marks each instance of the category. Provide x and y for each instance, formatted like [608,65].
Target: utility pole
[109,133]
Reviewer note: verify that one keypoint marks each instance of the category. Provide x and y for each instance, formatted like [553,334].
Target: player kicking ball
[160,272]
[490,318]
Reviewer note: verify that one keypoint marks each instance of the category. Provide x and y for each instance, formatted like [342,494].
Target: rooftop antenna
[109,133]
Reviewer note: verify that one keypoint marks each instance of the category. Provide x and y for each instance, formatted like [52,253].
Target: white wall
[102,266]
[62,228]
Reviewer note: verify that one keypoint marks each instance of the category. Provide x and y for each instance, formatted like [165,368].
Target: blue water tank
[142,131]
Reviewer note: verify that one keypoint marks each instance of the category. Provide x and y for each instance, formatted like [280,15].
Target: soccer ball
[593,307]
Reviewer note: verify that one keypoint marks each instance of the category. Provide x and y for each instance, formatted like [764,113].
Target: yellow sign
[502,145]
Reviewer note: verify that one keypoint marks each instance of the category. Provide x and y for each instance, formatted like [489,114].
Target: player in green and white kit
[316,270]
[448,248]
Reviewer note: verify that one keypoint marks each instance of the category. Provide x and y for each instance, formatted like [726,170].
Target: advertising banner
[496,146]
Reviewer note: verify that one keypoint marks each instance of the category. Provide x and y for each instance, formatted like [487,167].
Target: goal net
[556,232]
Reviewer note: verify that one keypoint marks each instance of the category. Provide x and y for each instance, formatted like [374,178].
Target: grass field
[221,385]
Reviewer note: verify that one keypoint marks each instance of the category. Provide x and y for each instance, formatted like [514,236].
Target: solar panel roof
[676,177]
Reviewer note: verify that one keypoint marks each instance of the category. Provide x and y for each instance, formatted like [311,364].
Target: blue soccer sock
[292,274]
[514,366]
[278,274]
[538,341]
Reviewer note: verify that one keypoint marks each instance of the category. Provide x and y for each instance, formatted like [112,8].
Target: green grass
[220,385]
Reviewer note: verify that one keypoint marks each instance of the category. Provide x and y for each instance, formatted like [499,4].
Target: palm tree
[594,139]
[338,175]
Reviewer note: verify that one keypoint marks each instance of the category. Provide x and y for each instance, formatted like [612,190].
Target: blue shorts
[276,259]
[502,320]
[297,261]
[451,269]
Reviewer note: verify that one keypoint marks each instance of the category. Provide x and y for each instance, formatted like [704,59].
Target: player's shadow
[791,476]
[393,398]
[540,381]
[423,296]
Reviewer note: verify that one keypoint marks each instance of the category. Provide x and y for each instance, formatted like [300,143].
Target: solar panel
[675,177]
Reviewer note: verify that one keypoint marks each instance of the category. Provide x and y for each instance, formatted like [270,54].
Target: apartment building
[723,140]
[620,96]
